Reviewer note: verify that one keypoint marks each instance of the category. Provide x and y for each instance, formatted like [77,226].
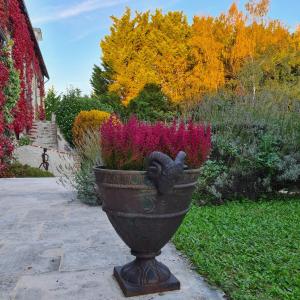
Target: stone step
[44,134]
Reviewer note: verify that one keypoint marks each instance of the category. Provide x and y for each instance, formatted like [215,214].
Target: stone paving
[32,156]
[52,247]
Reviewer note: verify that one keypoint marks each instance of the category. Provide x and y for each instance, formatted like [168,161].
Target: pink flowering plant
[125,146]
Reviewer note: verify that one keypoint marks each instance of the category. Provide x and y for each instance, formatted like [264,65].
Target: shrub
[81,178]
[243,170]
[6,149]
[70,106]
[125,146]
[89,153]
[24,140]
[256,145]
[88,121]
[22,171]
[151,105]
[212,176]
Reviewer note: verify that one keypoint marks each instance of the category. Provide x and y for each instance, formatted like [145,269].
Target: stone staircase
[44,134]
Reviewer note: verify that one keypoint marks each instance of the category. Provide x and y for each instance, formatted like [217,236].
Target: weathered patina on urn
[146,208]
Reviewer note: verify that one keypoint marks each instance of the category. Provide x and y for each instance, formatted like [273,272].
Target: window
[2,38]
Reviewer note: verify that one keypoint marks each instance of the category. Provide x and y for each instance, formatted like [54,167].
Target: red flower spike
[125,146]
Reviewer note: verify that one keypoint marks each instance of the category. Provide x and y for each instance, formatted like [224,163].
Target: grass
[22,171]
[251,250]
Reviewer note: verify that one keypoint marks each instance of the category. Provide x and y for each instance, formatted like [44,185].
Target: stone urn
[146,208]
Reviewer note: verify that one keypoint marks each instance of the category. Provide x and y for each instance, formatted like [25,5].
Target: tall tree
[148,49]
[206,67]
[52,100]
[188,61]
[101,79]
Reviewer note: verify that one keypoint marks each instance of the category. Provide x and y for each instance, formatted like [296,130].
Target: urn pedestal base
[145,276]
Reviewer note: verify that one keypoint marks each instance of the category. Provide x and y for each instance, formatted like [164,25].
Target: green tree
[71,104]
[272,72]
[101,78]
[151,105]
[51,102]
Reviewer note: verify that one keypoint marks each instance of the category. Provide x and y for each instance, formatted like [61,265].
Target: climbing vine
[4,141]
[19,63]
[9,95]
[26,61]
[12,87]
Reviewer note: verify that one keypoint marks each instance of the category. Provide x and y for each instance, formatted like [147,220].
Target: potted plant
[146,186]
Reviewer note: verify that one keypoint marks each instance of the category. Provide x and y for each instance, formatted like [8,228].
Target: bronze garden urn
[146,208]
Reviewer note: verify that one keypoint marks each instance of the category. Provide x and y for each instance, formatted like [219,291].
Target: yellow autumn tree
[243,46]
[147,49]
[126,51]
[257,9]
[296,39]
[188,61]
[168,38]
[205,64]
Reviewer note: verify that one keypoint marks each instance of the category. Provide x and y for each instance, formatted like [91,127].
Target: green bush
[100,81]
[22,171]
[70,106]
[152,105]
[85,185]
[113,101]
[82,178]
[24,140]
[256,146]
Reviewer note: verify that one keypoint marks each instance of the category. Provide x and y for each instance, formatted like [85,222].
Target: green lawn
[251,250]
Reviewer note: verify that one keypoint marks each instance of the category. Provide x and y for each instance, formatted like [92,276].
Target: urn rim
[103,169]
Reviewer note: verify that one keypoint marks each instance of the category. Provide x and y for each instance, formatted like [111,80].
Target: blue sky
[73,29]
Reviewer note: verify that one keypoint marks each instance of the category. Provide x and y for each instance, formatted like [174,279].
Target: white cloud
[77,9]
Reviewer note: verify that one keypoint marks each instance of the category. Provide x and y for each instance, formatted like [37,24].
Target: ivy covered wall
[20,64]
